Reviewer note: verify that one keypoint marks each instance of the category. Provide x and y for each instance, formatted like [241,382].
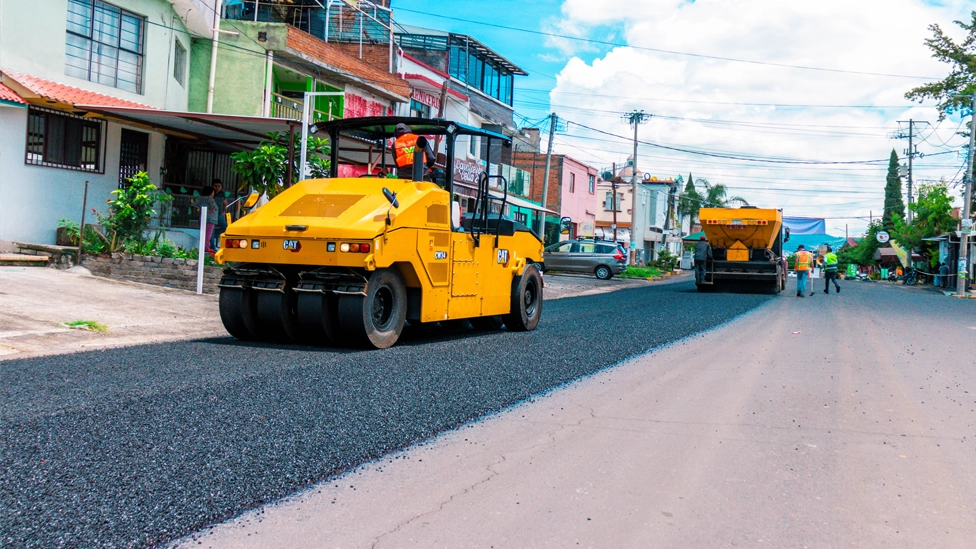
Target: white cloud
[880,36]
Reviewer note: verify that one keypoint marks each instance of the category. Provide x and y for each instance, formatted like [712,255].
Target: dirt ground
[34,302]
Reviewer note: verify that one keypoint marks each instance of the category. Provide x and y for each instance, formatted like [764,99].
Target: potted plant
[67,233]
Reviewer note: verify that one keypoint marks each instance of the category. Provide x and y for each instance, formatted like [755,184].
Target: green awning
[694,237]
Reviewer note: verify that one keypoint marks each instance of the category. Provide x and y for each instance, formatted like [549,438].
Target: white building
[55,58]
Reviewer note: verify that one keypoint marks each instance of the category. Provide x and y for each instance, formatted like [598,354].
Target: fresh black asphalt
[137,446]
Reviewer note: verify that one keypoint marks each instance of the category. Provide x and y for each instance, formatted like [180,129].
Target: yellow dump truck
[747,248]
[348,260]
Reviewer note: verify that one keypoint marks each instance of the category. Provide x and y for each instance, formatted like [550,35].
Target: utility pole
[911,152]
[962,273]
[613,200]
[545,183]
[636,118]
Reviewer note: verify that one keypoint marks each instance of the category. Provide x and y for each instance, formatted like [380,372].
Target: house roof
[31,87]
[8,95]
[356,71]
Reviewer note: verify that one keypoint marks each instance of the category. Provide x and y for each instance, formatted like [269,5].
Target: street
[818,422]
[139,445]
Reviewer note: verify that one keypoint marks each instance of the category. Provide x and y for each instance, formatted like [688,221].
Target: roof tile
[7,94]
[66,93]
[333,57]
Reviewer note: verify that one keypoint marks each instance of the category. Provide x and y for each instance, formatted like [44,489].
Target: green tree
[265,168]
[962,75]
[863,253]
[894,205]
[689,201]
[933,217]
[950,92]
[717,196]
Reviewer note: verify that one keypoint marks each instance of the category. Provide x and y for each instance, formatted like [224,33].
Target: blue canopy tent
[811,232]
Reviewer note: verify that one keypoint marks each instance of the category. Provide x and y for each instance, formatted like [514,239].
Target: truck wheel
[237,312]
[603,272]
[277,316]
[318,318]
[376,319]
[526,301]
[488,323]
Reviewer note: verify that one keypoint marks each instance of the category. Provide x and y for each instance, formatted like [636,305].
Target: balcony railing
[286,107]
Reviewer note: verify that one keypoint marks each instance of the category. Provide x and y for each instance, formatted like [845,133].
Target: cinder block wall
[158,271]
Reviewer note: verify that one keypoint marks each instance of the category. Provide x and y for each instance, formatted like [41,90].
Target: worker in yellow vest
[404,148]
[830,270]
[804,261]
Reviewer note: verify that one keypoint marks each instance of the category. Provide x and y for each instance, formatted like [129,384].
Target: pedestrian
[404,148]
[703,252]
[943,275]
[221,202]
[803,260]
[830,270]
[206,200]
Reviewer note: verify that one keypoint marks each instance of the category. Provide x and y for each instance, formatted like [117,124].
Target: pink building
[578,197]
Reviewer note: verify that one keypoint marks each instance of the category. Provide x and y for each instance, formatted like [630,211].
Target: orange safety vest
[803,260]
[404,148]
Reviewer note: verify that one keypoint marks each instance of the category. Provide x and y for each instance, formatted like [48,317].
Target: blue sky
[722,106]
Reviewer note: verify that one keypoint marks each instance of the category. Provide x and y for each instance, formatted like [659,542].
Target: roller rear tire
[277,318]
[526,301]
[376,319]
[318,318]
[238,312]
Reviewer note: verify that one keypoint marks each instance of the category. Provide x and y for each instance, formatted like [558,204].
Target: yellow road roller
[347,261]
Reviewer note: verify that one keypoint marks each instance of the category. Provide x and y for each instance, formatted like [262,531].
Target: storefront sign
[467,172]
[426,98]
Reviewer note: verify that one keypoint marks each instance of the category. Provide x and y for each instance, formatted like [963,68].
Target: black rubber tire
[277,316]
[376,319]
[603,272]
[526,301]
[488,323]
[238,312]
[318,318]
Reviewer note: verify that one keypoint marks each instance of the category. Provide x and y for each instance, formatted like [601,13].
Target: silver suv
[602,258]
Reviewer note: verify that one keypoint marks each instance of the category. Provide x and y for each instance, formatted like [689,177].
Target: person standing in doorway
[803,260]
[830,270]
[943,275]
[206,200]
[221,202]
[703,252]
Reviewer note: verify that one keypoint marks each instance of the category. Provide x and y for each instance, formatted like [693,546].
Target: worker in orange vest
[404,148]
[804,261]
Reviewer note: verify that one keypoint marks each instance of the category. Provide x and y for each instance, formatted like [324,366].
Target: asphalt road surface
[134,447]
[824,422]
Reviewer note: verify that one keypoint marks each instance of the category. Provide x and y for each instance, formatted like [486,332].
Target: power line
[660,50]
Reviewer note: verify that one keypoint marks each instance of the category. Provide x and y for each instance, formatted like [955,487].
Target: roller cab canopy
[368,141]
[752,228]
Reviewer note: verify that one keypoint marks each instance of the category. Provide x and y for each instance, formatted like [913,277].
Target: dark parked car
[602,258]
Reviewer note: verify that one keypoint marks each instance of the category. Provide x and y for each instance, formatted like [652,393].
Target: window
[608,204]
[606,249]
[563,248]
[592,184]
[104,45]
[587,248]
[480,74]
[179,63]
[473,145]
[572,182]
[64,141]
[419,109]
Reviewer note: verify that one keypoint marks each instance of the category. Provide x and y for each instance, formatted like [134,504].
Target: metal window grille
[179,63]
[104,44]
[61,140]
[133,155]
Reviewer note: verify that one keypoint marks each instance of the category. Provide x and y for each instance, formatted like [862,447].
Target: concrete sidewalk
[34,302]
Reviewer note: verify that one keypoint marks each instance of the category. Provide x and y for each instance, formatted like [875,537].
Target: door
[556,257]
[133,155]
[586,259]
